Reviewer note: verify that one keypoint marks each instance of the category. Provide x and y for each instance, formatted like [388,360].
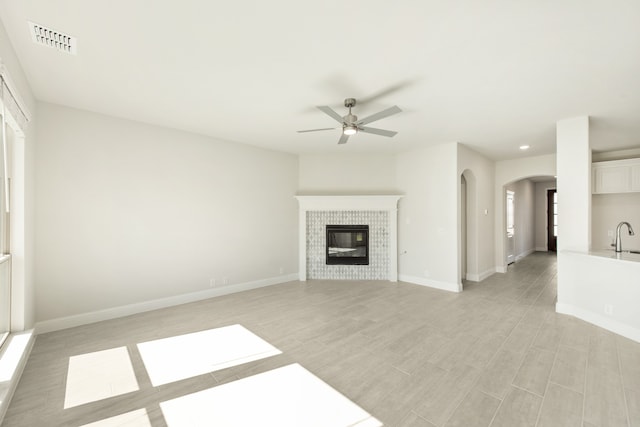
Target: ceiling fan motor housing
[350,118]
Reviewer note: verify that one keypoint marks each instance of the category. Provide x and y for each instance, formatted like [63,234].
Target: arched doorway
[525,218]
[468,243]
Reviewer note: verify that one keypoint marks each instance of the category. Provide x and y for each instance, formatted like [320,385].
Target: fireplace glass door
[348,244]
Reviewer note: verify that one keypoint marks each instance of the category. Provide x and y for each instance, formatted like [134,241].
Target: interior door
[552,220]
[511,230]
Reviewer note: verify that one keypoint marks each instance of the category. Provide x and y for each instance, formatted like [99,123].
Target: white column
[393,245]
[574,184]
[302,245]
[574,202]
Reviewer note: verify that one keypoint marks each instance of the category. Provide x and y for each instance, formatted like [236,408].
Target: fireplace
[347,245]
[379,212]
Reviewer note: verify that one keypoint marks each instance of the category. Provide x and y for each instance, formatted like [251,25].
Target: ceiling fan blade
[329,112]
[381,115]
[343,139]
[377,131]
[387,91]
[314,130]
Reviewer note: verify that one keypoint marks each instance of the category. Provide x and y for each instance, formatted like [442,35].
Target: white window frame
[12,155]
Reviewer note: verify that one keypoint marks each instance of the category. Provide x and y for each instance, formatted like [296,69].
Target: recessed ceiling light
[51,38]
[524,147]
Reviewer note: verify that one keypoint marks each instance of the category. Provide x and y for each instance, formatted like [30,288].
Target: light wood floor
[495,355]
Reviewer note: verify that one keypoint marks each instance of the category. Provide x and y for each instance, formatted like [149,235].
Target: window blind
[10,104]
[15,115]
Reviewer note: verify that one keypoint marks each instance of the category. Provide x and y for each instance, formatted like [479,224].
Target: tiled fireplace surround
[379,212]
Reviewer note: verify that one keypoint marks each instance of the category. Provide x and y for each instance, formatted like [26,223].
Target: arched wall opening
[468,226]
[526,214]
[506,172]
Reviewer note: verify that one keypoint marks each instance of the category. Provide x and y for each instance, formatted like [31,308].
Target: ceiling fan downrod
[350,118]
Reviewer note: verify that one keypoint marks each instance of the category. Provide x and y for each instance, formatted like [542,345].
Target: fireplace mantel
[388,203]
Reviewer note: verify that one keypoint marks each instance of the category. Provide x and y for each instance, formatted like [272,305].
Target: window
[13,121]
[5,257]
[510,212]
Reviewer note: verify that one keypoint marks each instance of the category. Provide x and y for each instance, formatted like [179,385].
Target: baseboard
[480,277]
[127,310]
[541,249]
[445,286]
[501,268]
[524,254]
[600,320]
[13,359]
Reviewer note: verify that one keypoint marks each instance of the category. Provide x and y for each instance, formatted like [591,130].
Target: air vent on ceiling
[51,38]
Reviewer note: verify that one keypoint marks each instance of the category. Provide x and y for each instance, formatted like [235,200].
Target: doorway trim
[552,238]
[471,220]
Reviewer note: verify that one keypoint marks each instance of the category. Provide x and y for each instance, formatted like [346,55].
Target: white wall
[510,171]
[524,216]
[337,174]
[129,213]
[607,211]
[23,298]
[541,214]
[480,234]
[427,221]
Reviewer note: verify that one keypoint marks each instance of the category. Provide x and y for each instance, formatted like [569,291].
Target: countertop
[625,255]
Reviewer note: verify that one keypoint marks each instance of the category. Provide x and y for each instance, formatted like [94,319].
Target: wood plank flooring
[495,355]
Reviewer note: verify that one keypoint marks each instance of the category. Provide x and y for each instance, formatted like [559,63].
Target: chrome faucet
[618,243]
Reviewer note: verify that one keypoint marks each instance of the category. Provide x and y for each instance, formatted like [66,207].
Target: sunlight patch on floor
[99,375]
[185,356]
[289,396]
[138,418]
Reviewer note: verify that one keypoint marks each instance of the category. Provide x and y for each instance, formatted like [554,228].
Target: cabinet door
[611,179]
[635,178]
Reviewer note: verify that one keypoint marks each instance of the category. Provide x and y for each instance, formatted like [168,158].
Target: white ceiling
[492,75]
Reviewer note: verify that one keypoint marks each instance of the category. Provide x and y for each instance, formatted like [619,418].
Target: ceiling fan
[350,123]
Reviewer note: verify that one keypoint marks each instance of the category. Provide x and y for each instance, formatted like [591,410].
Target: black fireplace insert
[348,244]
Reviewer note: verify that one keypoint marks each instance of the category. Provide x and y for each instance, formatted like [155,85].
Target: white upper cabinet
[617,176]
[635,177]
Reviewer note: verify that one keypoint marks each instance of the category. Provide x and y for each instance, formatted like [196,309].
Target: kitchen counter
[601,287]
[625,255]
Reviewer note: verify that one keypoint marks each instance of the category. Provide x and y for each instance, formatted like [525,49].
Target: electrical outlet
[608,309]
[225,281]
[609,233]
[212,283]
[281,270]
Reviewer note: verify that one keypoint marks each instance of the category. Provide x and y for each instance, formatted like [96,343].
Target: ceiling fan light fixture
[350,129]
